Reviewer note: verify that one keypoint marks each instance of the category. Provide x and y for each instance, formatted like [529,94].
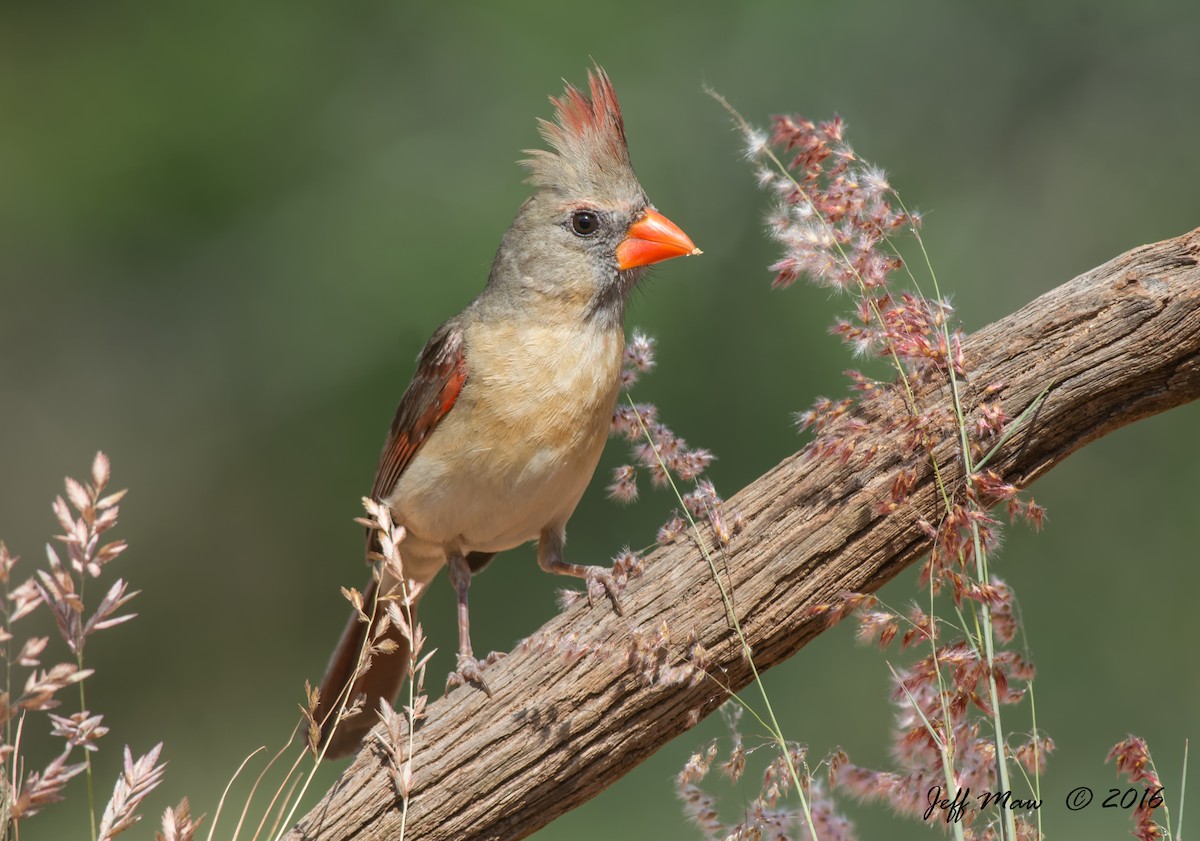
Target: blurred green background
[227,228]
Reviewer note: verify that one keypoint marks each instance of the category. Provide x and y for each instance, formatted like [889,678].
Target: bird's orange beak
[651,239]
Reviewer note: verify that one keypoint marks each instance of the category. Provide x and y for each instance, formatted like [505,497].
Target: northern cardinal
[500,430]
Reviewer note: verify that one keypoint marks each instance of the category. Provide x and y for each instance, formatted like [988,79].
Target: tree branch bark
[1119,343]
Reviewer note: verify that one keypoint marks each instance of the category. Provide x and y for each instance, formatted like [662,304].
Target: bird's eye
[585,222]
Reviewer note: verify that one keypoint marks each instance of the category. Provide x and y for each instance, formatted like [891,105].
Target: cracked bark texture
[1119,343]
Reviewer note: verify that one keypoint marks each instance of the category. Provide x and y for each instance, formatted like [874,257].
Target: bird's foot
[602,582]
[470,670]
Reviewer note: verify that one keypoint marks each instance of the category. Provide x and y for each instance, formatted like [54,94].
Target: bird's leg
[600,580]
[470,670]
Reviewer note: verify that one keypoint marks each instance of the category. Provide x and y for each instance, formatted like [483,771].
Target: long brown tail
[381,681]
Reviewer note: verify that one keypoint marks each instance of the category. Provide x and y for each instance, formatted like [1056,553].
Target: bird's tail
[345,680]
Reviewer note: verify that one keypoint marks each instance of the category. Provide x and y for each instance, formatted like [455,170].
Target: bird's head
[589,232]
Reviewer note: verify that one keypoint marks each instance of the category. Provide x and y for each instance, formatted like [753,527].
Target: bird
[501,428]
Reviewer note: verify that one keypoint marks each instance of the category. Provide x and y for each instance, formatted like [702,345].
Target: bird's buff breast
[515,453]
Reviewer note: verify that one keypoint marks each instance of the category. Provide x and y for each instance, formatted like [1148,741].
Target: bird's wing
[435,387]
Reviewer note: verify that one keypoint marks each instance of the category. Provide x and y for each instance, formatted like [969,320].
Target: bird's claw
[470,670]
[600,583]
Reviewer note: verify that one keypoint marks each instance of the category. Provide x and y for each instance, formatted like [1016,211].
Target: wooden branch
[1116,344]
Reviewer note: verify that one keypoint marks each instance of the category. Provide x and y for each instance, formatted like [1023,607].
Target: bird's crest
[588,137]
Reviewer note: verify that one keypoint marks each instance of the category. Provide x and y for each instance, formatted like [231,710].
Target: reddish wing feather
[435,386]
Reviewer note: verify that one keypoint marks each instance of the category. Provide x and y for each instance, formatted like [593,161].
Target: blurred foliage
[227,228]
